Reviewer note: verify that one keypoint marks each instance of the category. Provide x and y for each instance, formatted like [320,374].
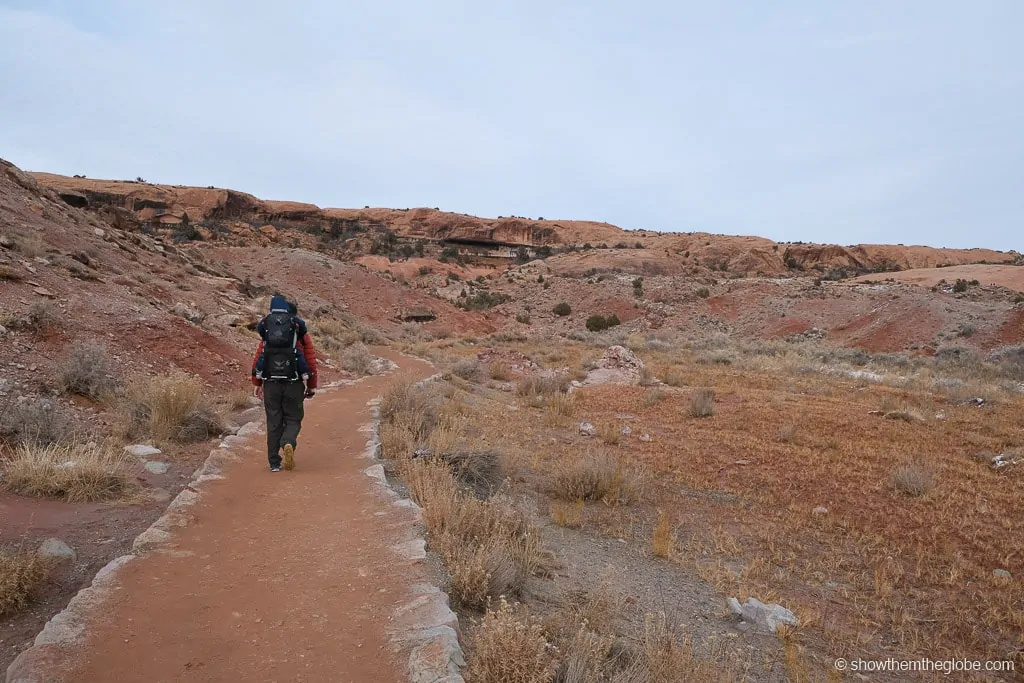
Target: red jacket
[305,344]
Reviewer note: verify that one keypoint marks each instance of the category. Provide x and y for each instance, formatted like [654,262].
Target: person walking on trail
[284,374]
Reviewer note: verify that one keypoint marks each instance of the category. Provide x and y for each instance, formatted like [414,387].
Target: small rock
[587,429]
[56,549]
[1001,574]
[99,232]
[769,617]
[645,438]
[626,430]
[43,291]
[507,386]
[741,462]
[157,467]
[820,510]
[142,450]
[3,330]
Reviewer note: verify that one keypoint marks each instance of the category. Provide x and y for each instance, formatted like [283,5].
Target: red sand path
[287,577]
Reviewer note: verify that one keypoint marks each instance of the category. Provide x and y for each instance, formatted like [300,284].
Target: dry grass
[538,385]
[238,399]
[674,377]
[560,408]
[508,646]
[489,546]
[787,433]
[173,407]
[468,369]
[567,514]
[9,274]
[75,472]
[597,477]
[653,396]
[665,655]
[702,403]
[22,574]
[914,479]
[500,371]
[663,541]
[356,359]
[87,370]
[609,433]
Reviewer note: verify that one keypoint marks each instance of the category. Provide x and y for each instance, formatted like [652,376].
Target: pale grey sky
[871,121]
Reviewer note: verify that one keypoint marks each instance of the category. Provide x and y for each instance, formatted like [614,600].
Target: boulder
[587,429]
[56,550]
[142,450]
[193,315]
[768,617]
[157,467]
[618,365]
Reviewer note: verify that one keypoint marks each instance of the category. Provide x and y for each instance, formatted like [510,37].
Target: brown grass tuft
[537,385]
[914,479]
[508,646]
[702,403]
[500,371]
[569,515]
[597,477]
[356,359]
[22,573]
[674,377]
[787,433]
[75,472]
[663,541]
[609,433]
[170,407]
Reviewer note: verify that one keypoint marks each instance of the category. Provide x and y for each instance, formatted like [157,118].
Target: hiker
[284,374]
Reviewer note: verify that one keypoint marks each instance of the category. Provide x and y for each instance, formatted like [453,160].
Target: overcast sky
[871,121]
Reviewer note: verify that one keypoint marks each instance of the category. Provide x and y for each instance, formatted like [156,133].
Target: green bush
[599,323]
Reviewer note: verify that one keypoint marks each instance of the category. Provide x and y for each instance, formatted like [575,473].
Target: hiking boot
[289,457]
[275,468]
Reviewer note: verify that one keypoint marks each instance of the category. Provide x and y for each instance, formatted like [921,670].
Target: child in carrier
[280,333]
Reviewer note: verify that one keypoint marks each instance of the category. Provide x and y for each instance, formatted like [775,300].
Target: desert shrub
[27,421]
[500,371]
[663,655]
[597,477]
[356,359]
[563,309]
[87,370]
[468,369]
[599,323]
[653,397]
[41,317]
[703,292]
[482,301]
[674,377]
[410,407]
[787,433]
[75,472]
[1010,361]
[960,286]
[8,274]
[172,407]
[523,319]
[716,357]
[508,646]
[22,573]
[913,478]
[541,385]
[702,403]
[609,433]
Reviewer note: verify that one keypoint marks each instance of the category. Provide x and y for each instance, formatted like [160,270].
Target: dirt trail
[281,577]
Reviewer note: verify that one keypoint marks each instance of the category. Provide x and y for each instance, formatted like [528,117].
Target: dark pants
[283,403]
